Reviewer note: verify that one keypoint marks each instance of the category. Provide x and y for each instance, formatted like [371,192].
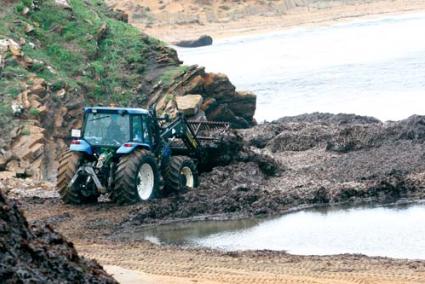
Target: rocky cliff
[57,56]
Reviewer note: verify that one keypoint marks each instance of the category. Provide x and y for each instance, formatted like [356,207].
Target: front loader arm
[179,128]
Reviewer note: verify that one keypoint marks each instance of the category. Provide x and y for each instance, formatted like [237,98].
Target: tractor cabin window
[140,130]
[107,129]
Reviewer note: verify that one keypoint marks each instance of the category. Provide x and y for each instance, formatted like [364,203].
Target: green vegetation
[84,50]
[171,73]
[26,131]
[90,51]
[34,112]
[5,113]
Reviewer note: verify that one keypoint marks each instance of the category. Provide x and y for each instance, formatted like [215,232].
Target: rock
[63,4]
[26,62]
[171,109]
[208,104]
[17,109]
[29,28]
[20,173]
[3,163]
[51,69]
[218,86]
[61,93]
[189,104]
[25,11]
[204,40]
[4,46]
[14,48]
[221,113]
[29,145]
[29,149]
[42,110]
[220,100]
[38,86]
[23,100]
[162,103]
[74,104]
[12,166]
[195,85]
[243,104]
[102,32]
[59,117]
[120,15]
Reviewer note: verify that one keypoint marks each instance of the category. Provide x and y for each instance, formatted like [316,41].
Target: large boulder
[189,104]
[243,104]
[218,86]
[203,40]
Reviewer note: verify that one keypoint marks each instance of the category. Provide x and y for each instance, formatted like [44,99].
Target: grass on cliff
[83,49]
[88,50]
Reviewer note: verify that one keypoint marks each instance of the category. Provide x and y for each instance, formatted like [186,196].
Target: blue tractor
[132,155]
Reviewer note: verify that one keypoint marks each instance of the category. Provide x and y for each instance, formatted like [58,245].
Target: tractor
[132,155]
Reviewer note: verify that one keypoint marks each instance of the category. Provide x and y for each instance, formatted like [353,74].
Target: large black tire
[181,173]
[68,166]
[127,178]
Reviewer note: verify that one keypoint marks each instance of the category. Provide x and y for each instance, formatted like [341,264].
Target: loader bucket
[208,130]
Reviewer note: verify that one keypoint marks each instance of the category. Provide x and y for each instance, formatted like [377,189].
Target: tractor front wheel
[181,173]
[68,166]
[136,178]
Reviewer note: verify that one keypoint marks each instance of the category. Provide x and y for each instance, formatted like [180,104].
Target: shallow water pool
[392,231]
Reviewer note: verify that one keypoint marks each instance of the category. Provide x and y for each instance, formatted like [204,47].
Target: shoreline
[298,17]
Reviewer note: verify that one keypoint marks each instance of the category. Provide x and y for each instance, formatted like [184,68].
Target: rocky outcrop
[203,40]
[38,254]
[220,100]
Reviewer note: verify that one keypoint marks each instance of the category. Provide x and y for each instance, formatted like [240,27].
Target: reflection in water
[395,231]
[182,233]
[368,67]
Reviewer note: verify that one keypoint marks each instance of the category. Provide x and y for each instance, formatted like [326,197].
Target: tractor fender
[128,148]
[81,146]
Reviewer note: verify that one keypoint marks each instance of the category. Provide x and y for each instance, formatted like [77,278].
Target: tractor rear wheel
[68,166]
[181,173]
[136,178]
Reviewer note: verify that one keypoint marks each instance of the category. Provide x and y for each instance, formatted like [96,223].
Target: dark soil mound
[37,254]
[303,161]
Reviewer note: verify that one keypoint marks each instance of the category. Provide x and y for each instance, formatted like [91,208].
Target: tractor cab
[117,128]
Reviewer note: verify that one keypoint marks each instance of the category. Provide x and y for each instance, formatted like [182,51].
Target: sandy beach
[257,24]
